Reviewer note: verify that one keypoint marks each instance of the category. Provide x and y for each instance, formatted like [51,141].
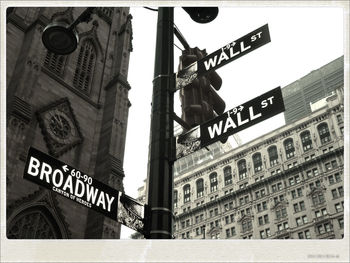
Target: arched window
[323,132]
[242,169]
[213,182]
[187,193]
[175,199]
[289,148]
[200,187]
[34,223]
[228,175]
[273,155]
[306,140]
[55,63]
[257,162]
[85,66]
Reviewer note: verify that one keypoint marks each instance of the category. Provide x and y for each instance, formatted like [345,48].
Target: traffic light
[199,100]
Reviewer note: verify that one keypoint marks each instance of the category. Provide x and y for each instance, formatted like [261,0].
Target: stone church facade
[73,107]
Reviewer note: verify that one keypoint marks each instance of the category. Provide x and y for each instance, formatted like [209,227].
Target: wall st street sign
[81,188]
[231,122]
[224,55]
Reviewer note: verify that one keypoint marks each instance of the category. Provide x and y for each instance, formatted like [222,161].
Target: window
[246,225]
[299,206]
[318,198]
[280,213]
[257,162]
[306,140]
[305,234]
[273,155]
[299,221]
[187,222]
[216,222]
[265,233]
[289,148]
[277,187]
[282,226]
[213,182]
[227,232]
[338,207]
[263,220]
[291,181]
[323,132]
[242,169]
[200,187]
[337,177]
[216,211]
[334,164]
[262,206]
[198,231]
[297,193]
[183,224]
[260,193]
[262,234]
[175,199]
[260,220]
[304,219]
[341,223]
[233,231]
[187,193]
[55,63]
[85,66]
[340,118]
[324,228]
[228,175]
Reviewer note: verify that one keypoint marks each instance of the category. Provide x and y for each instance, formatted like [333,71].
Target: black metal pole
[160,176]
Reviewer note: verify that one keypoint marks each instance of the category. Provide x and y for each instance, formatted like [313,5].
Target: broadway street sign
[71,183]
[230,122]
[79,187]
[224,55]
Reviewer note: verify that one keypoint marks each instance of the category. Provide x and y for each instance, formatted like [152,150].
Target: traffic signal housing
[199,100]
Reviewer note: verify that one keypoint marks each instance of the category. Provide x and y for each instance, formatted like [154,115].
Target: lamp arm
[84,17]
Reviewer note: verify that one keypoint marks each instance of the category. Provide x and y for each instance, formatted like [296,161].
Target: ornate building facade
[287,184]
[72,107]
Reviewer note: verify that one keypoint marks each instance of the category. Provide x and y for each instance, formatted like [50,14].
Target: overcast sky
[302,39]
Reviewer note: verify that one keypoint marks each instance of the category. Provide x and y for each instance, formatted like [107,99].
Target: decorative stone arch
[215,231]
[36,216]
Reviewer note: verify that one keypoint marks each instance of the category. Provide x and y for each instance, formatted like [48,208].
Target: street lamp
[202,14]
[62,38]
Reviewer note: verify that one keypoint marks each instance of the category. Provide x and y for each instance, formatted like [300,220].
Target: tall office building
[316,85]
[73,107]
[284,184]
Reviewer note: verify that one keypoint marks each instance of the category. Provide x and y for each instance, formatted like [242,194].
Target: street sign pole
[160,177]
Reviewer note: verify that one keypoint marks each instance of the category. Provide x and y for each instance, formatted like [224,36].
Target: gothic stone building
[287,184]
[72,107]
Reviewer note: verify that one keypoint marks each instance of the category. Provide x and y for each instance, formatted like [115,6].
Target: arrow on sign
[224,55]
[65,168]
